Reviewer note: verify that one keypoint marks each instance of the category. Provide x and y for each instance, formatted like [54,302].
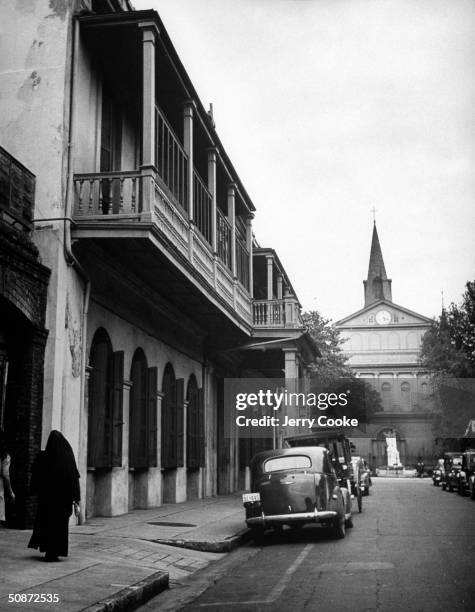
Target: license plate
[251,497]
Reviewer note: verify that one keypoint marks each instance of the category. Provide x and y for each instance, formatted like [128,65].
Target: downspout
[69,255]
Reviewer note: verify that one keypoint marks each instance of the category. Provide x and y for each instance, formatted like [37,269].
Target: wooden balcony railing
[242,263]
[202,207]
[223,231]
[107,193]
[17,191]
[170,159]
[283,313]
[268,313]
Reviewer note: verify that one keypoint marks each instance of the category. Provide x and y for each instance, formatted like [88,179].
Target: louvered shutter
[117,407]
[152,386]
[179,410]
[201,428]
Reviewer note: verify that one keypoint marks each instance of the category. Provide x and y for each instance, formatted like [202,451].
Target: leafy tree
[449,346]
[331,374]
[448,352]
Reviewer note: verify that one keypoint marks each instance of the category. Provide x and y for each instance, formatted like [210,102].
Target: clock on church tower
[383,317]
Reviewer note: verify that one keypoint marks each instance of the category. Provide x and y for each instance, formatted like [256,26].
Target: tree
[448,353]
[331,374]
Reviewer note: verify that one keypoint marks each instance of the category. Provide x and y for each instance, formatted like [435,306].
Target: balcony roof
[131,19]
[262,252]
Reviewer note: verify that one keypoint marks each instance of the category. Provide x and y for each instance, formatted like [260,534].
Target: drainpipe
[68,253]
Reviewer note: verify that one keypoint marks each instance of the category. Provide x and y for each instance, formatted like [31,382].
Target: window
[172,419]
[143,413]
[105,403]
[289,462]
[111,143]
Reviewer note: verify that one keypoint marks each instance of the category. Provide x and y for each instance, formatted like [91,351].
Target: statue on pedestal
[392,451]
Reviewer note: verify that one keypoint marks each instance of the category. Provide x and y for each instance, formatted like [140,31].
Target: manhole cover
[164,524]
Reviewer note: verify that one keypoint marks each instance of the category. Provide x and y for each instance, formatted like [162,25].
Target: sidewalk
[118,563]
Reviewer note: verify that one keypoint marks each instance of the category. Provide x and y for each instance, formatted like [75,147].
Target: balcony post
[212,155]
[232,222]
[249,250]
[149,32]
[279,286]
[212,189]
[270,277]
[188,110]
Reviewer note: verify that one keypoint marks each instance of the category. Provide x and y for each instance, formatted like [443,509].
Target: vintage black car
[452,465]
[340,447]
[466,475]
[295,486]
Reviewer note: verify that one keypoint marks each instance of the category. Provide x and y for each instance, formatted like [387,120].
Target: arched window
[406,394]
[386,395]
[104,448]
[194,425]
[375,342]
[172,419]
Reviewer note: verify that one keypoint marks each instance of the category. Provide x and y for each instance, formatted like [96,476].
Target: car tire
[449,488]
[444,486]
[339,528]
[472,490]
[257,534]
[461,491]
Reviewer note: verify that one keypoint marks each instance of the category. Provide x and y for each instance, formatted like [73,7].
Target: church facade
[382,343]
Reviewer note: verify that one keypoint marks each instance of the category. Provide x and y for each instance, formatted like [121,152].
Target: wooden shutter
[152,387]
[117,407]
[100,416]
[179,410]
[201,428]
[169,422]
[192,456]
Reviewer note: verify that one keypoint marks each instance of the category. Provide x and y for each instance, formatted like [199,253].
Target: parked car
[452,465]
[295,486]
[466,475]
[437,472]
[362,468]
[340,448]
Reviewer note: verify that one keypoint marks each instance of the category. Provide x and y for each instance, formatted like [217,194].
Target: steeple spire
[377,286]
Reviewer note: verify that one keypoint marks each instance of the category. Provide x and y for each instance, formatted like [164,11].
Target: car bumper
[299,517]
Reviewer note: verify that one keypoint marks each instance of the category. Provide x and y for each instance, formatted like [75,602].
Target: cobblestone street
[412,549]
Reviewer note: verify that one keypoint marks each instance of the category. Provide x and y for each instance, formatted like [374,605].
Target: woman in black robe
[55,480]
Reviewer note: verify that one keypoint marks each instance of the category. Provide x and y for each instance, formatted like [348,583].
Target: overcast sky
[329,108]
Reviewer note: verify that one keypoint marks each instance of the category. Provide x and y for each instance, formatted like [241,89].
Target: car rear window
[287,462]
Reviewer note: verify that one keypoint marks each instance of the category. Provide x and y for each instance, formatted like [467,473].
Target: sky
[330,108]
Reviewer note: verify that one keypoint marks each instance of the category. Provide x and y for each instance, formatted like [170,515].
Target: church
[382,343]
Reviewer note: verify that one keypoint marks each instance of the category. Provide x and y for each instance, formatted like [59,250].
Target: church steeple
[377,286]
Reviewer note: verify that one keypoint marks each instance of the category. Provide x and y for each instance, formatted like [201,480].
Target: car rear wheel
[339,529]
[472,490]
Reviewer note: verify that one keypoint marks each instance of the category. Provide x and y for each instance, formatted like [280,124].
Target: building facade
[382,343]
[147,229]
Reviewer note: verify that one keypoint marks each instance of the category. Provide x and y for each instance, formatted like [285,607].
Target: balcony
[166,190]
[116,200]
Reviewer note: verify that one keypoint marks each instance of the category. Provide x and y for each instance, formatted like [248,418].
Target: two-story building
[158,290]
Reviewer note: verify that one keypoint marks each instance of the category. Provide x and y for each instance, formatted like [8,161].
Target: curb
[219,546]
[133,596]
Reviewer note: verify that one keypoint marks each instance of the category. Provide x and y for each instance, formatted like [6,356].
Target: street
[412,549]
